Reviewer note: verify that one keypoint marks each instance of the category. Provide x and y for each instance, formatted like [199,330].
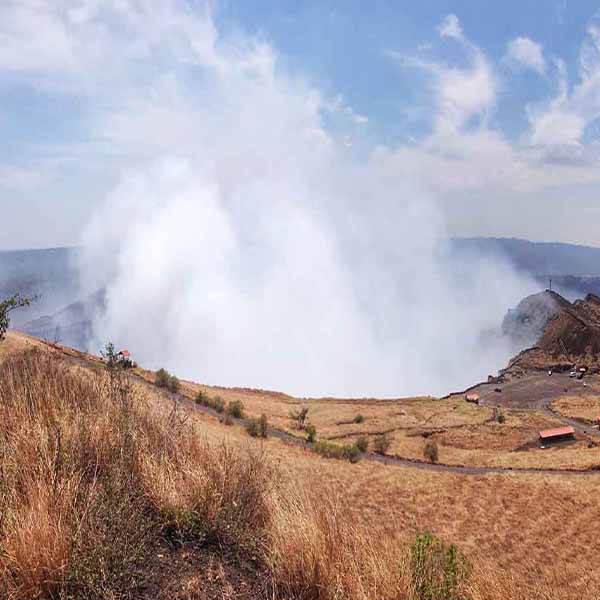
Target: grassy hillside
[113,489]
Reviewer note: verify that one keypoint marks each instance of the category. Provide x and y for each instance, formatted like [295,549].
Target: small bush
[257,427]
[300,417]
[359,419]
[341,451]
[501,418]
[362,443]
[382,444]
[263,426]
[173,385]
[311,434]
[438,572]
[235,409]
[215,403]
[430,452]
[218,404]
[162,378]
[252,427]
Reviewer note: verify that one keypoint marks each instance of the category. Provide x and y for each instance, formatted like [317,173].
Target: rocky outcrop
[560,334]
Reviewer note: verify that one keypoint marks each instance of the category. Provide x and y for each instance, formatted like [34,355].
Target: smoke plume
[245,243]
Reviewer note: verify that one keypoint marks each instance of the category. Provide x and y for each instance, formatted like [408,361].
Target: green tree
[6,307]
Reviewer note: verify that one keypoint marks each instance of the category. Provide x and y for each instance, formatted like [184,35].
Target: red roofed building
[558,434]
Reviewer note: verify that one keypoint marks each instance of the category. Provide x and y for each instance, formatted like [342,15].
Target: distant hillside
[49,274]
[536,258]
[72,325]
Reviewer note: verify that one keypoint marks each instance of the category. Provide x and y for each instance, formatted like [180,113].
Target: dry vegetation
[108,493]
[466,433]
[585,408]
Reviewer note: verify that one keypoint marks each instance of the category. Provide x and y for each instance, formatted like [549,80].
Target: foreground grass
[94,475]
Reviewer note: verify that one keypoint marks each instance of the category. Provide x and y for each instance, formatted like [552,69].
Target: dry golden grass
[584,408]
[80,505]
[464,431]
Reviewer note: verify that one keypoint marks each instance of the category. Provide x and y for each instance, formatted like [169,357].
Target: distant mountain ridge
[536,258]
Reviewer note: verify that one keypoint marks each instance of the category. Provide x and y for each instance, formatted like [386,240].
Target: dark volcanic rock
[562,334]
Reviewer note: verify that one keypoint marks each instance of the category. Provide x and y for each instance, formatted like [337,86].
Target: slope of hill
[72,325]
[49,274]
[563,333]
[197,509]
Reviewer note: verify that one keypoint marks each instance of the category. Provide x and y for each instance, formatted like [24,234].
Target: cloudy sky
[490,109]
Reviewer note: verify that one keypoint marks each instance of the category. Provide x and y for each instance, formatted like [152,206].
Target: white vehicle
[573,374]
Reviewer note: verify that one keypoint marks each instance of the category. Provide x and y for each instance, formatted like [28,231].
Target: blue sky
[490,108]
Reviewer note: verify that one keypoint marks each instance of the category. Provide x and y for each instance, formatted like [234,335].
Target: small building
[557,434]
[124,359]
[474,398]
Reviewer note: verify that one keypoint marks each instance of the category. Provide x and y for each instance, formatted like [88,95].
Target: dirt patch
[199,573]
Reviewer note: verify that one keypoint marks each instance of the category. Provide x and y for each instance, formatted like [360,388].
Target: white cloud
[527,53]
[450,27]
[462,93]
[485,181]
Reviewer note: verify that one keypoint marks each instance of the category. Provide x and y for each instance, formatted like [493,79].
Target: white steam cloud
[244,244]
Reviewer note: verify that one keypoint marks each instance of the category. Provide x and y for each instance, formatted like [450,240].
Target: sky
[491,109]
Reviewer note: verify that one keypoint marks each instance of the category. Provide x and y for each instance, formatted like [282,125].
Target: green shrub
[257,427]
[362,443]
[311,434]
[438,572]
[359,419]
[341,451]
[7,306]
[430,451]
[226,420]
[501,418]
[263,426]
[352,453]
[382,443]
[173,385]
[235,409]
[300,417]
[252,427]
[218,404]
[162,378]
